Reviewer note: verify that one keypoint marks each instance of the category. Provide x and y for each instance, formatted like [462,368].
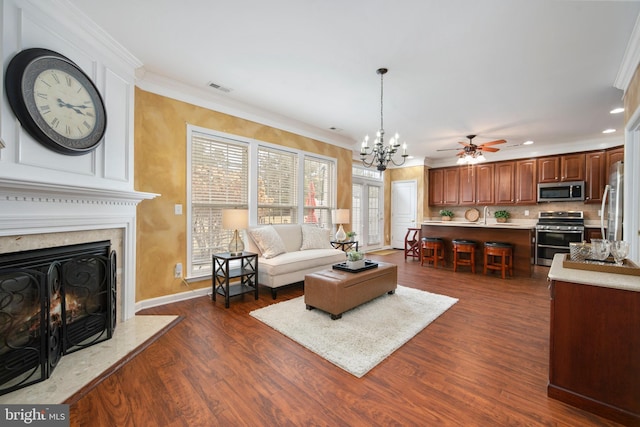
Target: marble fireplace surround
[36,215]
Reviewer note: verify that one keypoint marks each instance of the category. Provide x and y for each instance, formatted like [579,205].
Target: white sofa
[289,251]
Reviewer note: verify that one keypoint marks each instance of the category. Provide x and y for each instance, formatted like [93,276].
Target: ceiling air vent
[220,88]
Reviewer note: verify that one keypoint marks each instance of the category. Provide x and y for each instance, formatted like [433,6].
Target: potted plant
[351,235]
[446,214]
[355,260]
[502,216]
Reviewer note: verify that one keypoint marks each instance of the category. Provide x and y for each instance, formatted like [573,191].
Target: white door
[367,214]
[404,202]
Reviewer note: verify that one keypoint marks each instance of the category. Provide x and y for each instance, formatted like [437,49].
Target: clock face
[64,104]
[55,101]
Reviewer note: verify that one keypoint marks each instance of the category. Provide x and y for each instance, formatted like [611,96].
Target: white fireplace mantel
[31,207]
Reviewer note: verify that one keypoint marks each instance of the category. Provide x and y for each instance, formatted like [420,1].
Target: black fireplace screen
[53,302]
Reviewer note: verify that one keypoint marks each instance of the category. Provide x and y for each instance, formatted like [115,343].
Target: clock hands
[75,108]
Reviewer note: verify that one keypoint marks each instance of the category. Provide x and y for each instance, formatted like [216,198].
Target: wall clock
[55,101]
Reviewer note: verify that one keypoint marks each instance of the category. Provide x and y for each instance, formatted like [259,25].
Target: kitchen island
[520,235]
[594,341]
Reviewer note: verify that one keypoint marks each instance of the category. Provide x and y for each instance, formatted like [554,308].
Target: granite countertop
[524,225]
[595,278]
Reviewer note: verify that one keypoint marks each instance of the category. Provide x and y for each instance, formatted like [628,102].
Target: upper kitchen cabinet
[476,184]
[569,167]
[595,178]
[504,183]
[525,180]
[444,186]
[613,155]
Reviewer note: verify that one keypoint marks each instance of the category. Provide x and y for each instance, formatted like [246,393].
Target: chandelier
[381,154]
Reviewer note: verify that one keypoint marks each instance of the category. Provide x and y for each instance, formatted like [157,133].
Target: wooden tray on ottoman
[336,291]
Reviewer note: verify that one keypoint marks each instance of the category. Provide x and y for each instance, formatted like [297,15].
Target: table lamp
[341,217]
[235,219]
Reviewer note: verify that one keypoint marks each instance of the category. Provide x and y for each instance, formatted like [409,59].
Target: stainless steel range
[554,231]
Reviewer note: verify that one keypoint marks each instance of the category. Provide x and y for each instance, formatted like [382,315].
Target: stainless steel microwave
[571,191]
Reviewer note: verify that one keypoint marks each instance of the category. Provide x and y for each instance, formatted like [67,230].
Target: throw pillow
[268,241]
[314,238]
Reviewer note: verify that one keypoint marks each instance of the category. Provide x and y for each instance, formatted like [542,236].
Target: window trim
[253,145]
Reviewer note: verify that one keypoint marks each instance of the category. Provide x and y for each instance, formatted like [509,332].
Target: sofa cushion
[300,260]
[291,235]
[314,237]
[268,241]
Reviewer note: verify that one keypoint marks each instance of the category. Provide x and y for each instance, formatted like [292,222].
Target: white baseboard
[168,299]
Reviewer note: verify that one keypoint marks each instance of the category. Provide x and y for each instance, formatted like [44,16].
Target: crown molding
[170,88]
[630,60]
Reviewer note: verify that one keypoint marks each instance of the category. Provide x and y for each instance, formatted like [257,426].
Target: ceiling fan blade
[460,153]
[447,149]
[489,149]
[499,141]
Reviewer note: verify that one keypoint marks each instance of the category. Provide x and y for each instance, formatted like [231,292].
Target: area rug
[382,252]
[364,336]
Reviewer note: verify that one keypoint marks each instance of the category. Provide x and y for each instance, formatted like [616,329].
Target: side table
[345,246]
[247,272]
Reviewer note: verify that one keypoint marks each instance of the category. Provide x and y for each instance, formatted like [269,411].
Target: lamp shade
[342,216]
[235,219]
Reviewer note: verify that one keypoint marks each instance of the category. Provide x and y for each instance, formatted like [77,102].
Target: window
[277,194]
[219,180]
[318,190]
[277,184]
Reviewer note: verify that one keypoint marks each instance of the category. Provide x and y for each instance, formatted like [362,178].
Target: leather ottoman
[336,291]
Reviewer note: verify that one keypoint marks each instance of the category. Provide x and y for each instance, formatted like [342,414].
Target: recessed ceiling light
[608,131]
[527,143]
[617,110]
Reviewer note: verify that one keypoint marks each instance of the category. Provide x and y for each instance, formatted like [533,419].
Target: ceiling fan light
[461,161]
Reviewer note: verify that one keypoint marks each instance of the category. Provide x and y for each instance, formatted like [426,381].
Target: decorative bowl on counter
[472,215]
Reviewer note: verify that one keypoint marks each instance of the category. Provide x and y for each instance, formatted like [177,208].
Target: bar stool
[460,248]
[498,256]
[432,249]
[412,243]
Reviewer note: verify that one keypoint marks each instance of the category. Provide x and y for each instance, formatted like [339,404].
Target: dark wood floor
[484,362]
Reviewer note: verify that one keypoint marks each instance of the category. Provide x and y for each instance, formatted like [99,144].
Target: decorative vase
[501,219]
[446,218]
[354,265]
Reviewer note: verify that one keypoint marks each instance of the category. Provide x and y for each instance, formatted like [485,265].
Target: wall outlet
[177,209]
[599,212]
[177,271]
[526,212]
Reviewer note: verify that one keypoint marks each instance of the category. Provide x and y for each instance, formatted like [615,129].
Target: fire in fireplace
[53,301]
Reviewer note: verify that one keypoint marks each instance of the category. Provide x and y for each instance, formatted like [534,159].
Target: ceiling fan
[472,153]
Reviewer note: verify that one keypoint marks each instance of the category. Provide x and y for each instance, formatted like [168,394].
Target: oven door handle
[560,231]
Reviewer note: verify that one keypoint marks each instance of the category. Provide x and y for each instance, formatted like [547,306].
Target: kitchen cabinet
[444,186]
[613,155]
[525,182]
[504,183]
[594,342]
[476,184]
[595,176]
[569,167]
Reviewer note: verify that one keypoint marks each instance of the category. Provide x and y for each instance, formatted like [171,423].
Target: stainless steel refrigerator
[613,195]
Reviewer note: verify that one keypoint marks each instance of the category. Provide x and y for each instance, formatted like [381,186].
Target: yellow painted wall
[632,96]
[160,167]
[403,174]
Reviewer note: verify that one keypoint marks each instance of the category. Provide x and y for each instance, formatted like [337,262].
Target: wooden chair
[498,256]
[412,243]
[464,253]
[432,250]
